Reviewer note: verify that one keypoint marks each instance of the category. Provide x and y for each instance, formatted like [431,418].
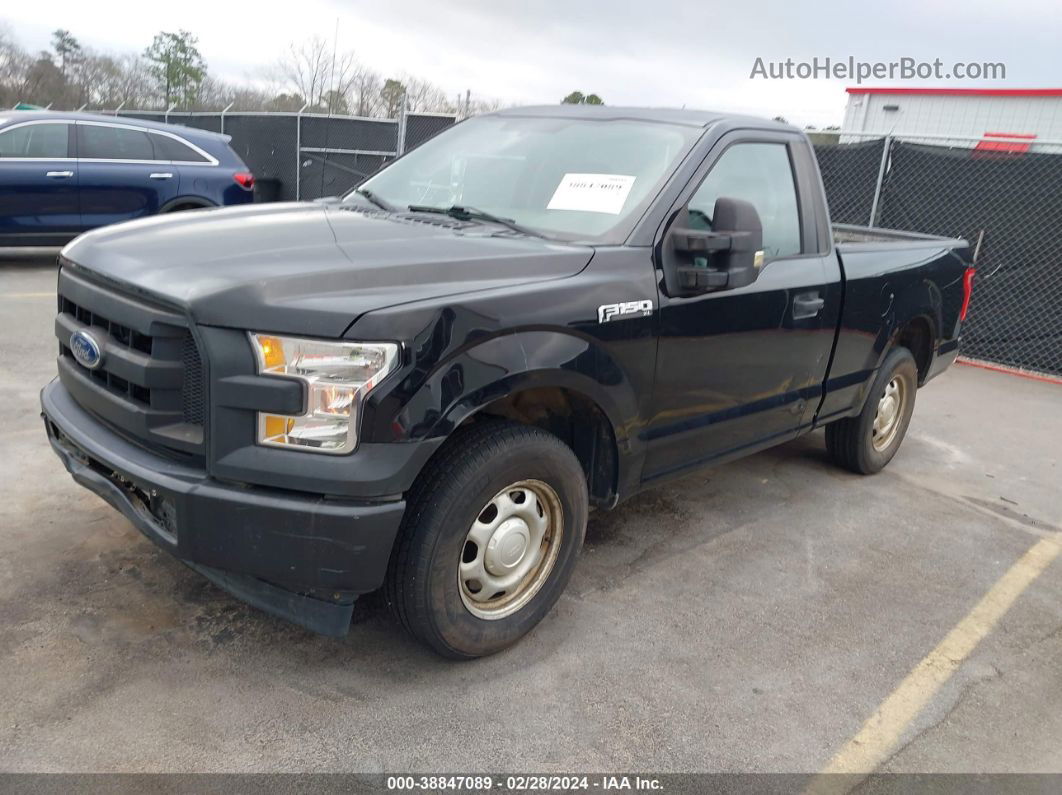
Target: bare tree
[313,68]
[423,96]
[364,93]
[106,81]
[134,84]
[100,81]
[14,63]
[217,94]
[41,81]
[309,73]
[478,106]
[284,102]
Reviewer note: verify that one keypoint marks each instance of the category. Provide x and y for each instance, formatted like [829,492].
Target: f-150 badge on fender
[607,312]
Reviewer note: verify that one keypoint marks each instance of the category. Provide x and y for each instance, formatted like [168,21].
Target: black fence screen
[1009,201]
[850,173]
[309,156]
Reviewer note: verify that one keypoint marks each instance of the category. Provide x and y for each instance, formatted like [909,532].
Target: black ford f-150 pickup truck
[426,384]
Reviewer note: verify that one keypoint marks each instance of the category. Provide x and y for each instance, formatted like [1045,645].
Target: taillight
[245,179]
[967,288]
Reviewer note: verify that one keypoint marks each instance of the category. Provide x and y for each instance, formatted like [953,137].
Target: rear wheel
[180,208]
[867,442]
[492,531]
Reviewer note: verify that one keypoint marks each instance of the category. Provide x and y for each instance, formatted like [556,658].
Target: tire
[480,501]
[180,208]
[855,443]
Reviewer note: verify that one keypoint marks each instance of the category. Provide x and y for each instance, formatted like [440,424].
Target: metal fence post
[400,146]
[298,152]
[226,110]
[881,179]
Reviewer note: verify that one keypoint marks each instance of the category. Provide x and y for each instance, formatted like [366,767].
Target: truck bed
[848,235]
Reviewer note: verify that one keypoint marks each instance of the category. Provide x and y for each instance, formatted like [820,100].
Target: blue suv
[65,173]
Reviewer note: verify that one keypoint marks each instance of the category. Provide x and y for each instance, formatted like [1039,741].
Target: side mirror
[729,256]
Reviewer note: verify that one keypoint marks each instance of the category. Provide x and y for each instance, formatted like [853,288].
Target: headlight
[337,375]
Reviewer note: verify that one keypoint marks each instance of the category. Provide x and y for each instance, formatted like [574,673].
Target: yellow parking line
[880,734]
[28,295]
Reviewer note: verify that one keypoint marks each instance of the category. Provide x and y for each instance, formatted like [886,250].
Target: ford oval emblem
[86,349]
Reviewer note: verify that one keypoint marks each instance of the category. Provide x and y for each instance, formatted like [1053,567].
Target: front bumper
[304,558]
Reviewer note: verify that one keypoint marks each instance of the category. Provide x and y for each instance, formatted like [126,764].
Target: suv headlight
[337,375]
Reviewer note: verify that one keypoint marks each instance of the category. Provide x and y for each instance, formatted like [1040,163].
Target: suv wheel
[492,531]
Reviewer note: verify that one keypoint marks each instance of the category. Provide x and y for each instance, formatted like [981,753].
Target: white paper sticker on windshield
[592,193]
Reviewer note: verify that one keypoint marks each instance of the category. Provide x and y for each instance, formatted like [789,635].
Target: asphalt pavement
[747,618]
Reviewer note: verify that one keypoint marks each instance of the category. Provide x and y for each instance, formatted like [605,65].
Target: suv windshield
[574,179]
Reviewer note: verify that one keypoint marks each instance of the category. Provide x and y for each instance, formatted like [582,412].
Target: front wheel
[867,442]
[492,531]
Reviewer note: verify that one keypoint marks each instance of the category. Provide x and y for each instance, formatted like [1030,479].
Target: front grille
[192,390]
[124,336]
[150,384]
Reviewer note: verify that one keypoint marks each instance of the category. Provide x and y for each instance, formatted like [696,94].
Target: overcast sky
[649,52]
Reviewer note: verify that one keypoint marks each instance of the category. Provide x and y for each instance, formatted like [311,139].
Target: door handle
[160,175]
[807,305]
[59,174]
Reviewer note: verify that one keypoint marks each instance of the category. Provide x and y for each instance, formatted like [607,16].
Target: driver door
[737,368]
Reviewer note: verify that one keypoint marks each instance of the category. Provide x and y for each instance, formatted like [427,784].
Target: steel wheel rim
[889,415]
[510,549]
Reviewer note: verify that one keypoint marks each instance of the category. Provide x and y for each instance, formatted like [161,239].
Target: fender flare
[922,300]
[476,376]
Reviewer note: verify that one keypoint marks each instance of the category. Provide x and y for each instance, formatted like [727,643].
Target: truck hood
[311,269]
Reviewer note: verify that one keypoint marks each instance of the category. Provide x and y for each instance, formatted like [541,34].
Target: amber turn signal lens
[272,351]
[278,426]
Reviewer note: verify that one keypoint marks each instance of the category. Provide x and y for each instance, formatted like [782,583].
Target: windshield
[574,179]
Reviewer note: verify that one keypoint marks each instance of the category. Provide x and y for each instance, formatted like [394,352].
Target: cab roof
[692,118]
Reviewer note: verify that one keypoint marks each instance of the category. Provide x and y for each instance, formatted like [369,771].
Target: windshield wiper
[372,197]
[464,213]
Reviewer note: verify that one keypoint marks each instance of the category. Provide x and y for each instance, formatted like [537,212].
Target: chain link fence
[307,155]
[1002,195]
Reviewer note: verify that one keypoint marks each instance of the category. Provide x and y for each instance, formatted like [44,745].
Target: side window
[167,148]
[101,142]
[760,174]
[35,140]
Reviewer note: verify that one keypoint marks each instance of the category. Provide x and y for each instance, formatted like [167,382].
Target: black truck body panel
[481,314]
[300,556]
[889,285]
[311,269]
